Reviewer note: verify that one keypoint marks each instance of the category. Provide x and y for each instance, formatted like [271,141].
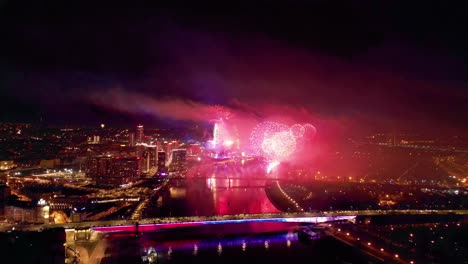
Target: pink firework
[279,146]
[297,130]
[309,131]
[272,141]
[260,132]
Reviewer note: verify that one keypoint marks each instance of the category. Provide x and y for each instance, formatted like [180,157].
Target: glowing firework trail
[272,165]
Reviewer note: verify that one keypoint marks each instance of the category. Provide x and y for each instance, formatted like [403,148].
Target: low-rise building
[27,211]
[49,164]
[7,164]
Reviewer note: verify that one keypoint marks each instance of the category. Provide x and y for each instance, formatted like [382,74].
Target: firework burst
[277,142]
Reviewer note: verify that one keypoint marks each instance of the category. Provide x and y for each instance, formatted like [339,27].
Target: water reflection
[224,190]
[233,242]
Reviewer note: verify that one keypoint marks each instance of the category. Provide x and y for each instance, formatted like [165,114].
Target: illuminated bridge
[160,226]
[174,222]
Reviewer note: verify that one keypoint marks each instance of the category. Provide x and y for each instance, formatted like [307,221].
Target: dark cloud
[375,64]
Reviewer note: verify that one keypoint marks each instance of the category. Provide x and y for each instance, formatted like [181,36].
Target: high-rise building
[92,164]
[154,158]
[125,170]
[98,167]
[104,166]
[169,148]
[113,171]
[162,162]
[178,160]
[139,140]
[140,133]
[131,139]
[159,146]
[174,144]
[150,158]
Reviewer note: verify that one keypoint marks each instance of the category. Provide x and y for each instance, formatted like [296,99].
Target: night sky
[376,64]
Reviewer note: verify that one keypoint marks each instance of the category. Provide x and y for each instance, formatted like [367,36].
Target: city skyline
[232,132]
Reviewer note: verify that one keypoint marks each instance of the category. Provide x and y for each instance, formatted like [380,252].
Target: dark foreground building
[44,247]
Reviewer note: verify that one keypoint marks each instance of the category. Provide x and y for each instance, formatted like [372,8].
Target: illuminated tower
[139,140]
[140,133]
[216,135]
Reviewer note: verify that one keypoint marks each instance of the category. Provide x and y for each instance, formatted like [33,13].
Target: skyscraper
[139,140]
[178,160]
[140,133]
[131,139]
[151,158]
[161,162]
[174,144]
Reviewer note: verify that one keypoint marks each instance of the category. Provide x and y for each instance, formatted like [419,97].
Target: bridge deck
[285,217]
